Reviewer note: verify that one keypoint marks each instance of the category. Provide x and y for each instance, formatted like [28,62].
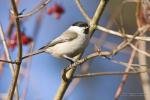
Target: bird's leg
[64,77]
[69,58]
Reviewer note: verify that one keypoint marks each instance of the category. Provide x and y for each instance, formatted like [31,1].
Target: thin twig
[83,12]
[11,66]
[10,27]
[19,40]
[140,51]
[36,9]
[121,35]
[11,24]
[140,30]
[125,77]
[108,73]
[97,16]
[6,61]
[126,64]
[101,54]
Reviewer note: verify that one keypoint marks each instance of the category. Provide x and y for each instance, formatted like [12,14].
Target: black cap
[80,24]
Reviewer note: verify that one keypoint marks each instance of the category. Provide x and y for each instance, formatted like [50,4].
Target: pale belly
[69,49]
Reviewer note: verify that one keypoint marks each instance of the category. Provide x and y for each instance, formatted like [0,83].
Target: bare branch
[109,73]
[11,66]
[139,50]
[8,61]
[125,77]
[142,9]
[97,16]
[121,34]
[19,57]
[126,64]
[36,9]
[82,10]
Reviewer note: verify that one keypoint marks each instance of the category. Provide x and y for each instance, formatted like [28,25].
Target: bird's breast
[70,48]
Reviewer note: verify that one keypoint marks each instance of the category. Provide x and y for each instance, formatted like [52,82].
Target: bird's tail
[33,53]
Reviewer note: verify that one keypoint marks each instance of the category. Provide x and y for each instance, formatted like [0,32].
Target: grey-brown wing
[64,37]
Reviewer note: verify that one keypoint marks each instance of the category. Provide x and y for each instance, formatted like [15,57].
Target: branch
[121,34]
[6,51]
[140,51]
[102,54]
[143,8]
[140,30]
[19,60]
[145,81]
[83,12]
[125,77]
[35,10]
[126,64]
[97,16]
[11,24]
[108,73]
[6,61]
[11,66]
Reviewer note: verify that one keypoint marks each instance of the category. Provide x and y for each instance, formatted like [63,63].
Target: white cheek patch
[77,29]
[86,27]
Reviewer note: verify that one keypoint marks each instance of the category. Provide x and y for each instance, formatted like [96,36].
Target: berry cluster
[56,9]
[12,42]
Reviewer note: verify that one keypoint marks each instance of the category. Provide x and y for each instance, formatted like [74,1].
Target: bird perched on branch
[69,44]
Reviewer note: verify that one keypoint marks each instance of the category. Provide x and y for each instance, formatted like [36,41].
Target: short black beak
[87,30]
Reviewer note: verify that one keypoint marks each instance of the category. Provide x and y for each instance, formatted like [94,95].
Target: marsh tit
[69,44]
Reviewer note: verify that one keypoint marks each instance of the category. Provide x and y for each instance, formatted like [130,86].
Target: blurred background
[40,75]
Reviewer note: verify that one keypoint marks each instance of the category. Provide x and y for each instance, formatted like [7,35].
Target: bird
[69,44]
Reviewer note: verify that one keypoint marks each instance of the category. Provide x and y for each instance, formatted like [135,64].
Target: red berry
[24,40]
[12,44]
[57,10]
[50,11]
